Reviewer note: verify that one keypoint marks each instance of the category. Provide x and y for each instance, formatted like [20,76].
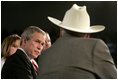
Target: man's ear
[24,40]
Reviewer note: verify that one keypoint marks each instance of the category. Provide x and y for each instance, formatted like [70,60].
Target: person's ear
[24,40]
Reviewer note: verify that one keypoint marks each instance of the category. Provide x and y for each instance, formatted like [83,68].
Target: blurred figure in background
[9,46]
[48,41]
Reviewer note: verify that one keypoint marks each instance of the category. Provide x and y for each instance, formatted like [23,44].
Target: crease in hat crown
[75,6]
[78,20]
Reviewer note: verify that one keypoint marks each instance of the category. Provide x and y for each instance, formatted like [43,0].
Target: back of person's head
[7,43]
[27,34]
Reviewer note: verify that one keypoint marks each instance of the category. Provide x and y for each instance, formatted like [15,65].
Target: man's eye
[37,41]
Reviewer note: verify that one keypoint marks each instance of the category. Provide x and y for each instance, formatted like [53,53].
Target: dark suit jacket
[18,66]
[73,57]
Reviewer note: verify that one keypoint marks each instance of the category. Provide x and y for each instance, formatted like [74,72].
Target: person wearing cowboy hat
[75,54]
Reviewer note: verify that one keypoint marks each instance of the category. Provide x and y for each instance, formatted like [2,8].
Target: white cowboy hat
[77,19]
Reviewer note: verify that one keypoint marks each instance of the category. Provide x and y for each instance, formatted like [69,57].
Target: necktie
[35,65]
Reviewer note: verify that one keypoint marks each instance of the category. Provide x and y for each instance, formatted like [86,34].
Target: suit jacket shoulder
[73,55]
[18,66]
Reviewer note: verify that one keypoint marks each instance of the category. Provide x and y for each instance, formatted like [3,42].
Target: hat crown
[77,17]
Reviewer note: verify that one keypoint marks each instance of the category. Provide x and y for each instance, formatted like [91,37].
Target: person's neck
[21,48]
[66,34]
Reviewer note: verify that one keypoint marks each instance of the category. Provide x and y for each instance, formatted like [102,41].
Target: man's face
[35,44]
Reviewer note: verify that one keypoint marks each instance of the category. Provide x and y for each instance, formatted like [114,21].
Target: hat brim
[92,29]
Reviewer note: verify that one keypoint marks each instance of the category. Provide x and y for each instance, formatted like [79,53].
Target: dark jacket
[73,57]
[18,66]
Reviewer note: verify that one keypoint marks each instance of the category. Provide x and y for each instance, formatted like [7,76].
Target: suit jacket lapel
[32,68]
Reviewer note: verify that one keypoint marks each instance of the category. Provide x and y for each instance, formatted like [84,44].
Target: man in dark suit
[18,65]
[75,54]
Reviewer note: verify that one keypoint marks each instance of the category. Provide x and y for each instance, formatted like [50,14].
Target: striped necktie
[35,65]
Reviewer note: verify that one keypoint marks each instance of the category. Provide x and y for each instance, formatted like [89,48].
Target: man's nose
[40,47]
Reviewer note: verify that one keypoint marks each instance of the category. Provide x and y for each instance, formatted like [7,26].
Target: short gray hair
[30,30]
